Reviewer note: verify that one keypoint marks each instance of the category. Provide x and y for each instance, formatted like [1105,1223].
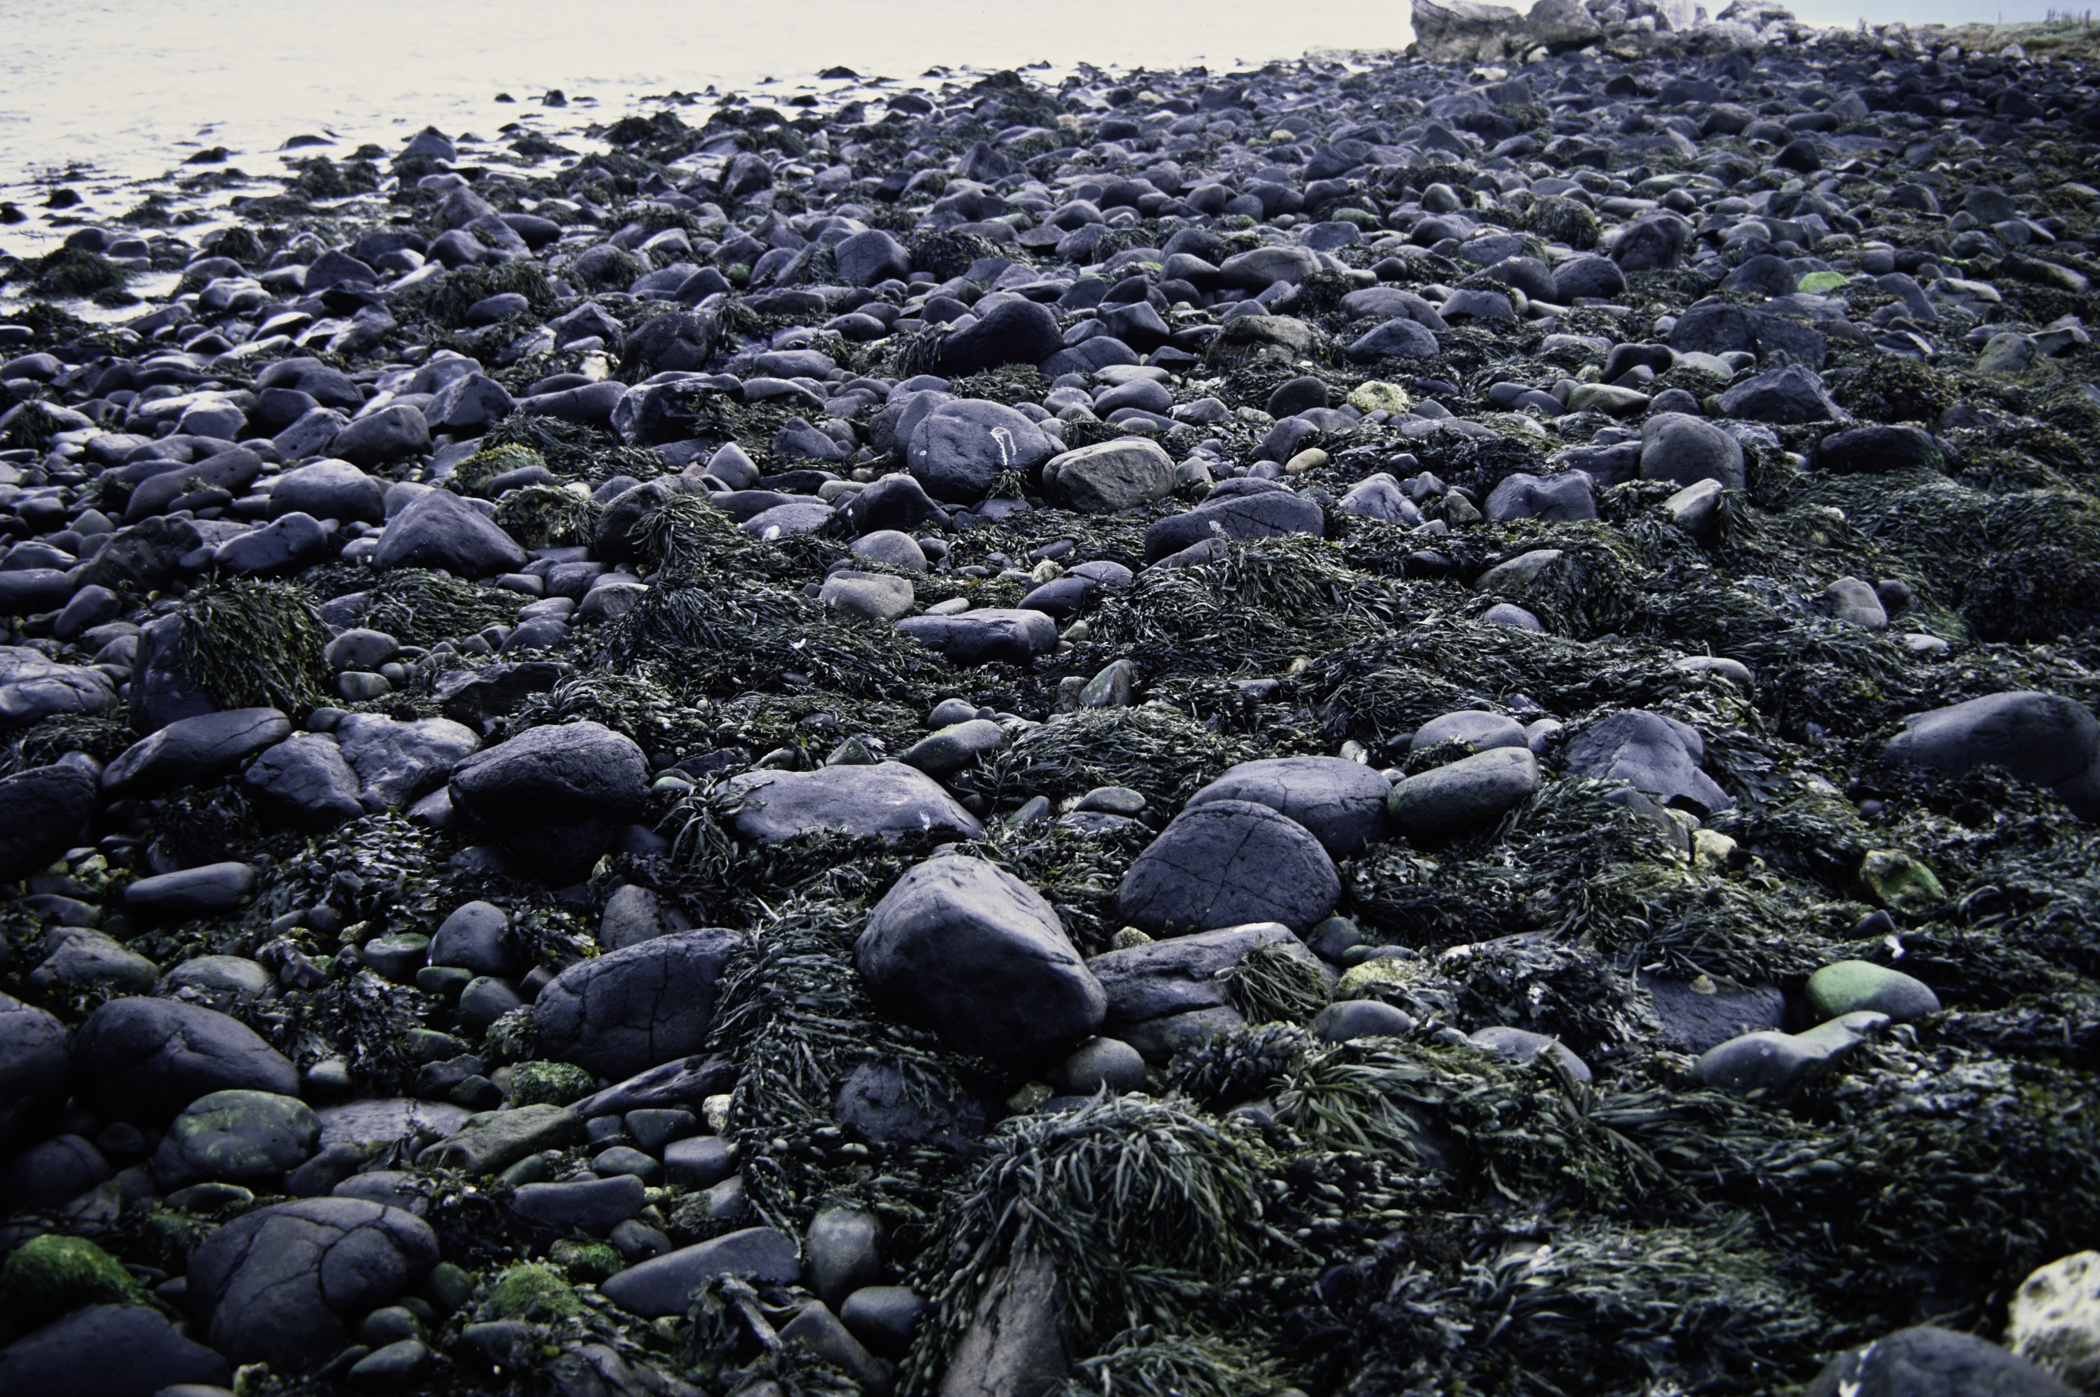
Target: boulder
[617,1014]
[1342,803]
[192,750]
[281,1285]
[2042,739]
[43,812]
[960,448]
[144,1060]
[1463,796]
[32,1071]
[237,1137]
[1655,755]
[1228,863]
[970,951]
[554,795]
[887,800]
[1931,1362]
[992,634]
[659,1286]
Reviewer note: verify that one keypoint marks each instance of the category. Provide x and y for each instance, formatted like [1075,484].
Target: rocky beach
[1391,724]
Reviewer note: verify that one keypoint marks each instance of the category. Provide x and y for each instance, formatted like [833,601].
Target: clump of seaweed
[445,300]
[1227,1068]
[542,516]
[1138,1208]
[418,606]
[254,645]
[1156,750]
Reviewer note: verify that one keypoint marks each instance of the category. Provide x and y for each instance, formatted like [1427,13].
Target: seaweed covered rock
[243,1137]
[281,1285]
[2042,739]
[1228,863]
[628,1010]
[978,956]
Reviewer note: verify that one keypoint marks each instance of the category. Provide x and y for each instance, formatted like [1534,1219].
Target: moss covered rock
[533,1289]
[50,1276]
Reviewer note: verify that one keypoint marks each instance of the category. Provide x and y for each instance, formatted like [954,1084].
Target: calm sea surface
[108,94]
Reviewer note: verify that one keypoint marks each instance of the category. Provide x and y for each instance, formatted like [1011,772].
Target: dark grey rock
[888,800]
[144,1060]
[1653,754]
[329,490]
[1463,796]
[1181,975]
[698,1161]
[438,529]
[196,749]
[970,951]
[1521,495]
[1227,863]
[1685,449]
[1361,1018]
[279,1285]
[136,1351]
[843,1252]
[961,447]
[659,1286]
[305,781]
[883,1317]
[211,887]
[43,812]
[1014,332]
[619,1013]
[475,937]
[398,763]
[1239,509]
[595,1206]
[390,434]
[1342,803]
[237,1137]
[554,796]
[2042,739]
[52,1172]
[33,1061]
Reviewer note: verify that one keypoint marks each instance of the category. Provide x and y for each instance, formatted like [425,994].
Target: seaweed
[1141,1208]
[1155,750]
[254,645]
[574,450]
[542,516]
[445,300]
[1143,1361]
[46,740]
[418,606]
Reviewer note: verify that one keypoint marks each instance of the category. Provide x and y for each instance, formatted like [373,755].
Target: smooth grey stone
[589,1205]
[476,937]
[1521,1046]
[970,951]
[2042,739]
[390,434]
[42,814]
[1239,512]
[554,796]
[887,799]
[1341,803]
[1100,1063]
[1001,634]
[698,1161]
[1110,476]
[1361,1018]
[135,1351]
[1684,449]
[392,1367]
[942,753]
[144,1060]
[51,1172]
[305,780]
[960,448]
[491,1141]
[1229,863]
[659,1286]
[883,1317]
[1694,1022]
[1779,1063]
[33,1076]
[214,887]
[193,750]
[1850,985]
[1520,495]
[653,1127]
[870,596]
[842,1252]
[236,1136]
[438,529]
[1463,796]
